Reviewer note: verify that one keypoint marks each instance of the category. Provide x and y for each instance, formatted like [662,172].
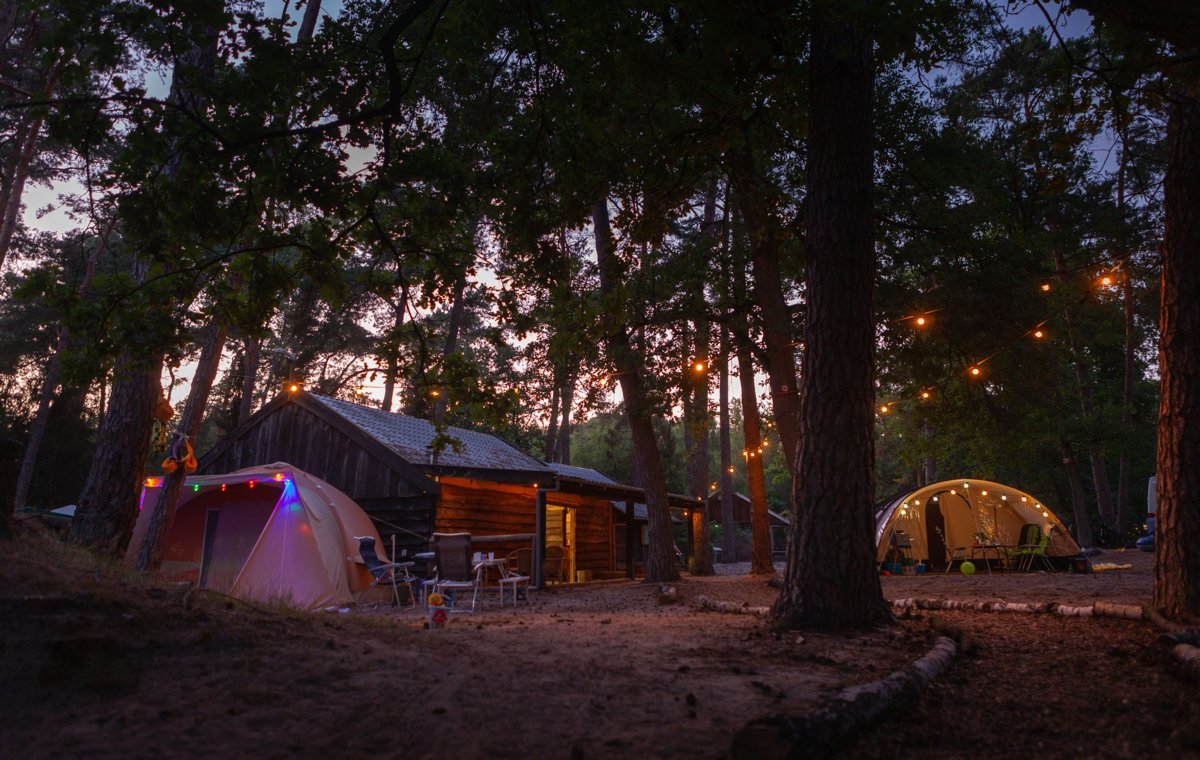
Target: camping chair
[1027,553]
[553,564]
[452,553]
[384,573]
[899,548]
[952,552]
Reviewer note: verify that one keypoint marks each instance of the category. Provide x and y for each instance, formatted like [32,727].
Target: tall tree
[108,505]
[660,553]
[831,579]
[1177,565]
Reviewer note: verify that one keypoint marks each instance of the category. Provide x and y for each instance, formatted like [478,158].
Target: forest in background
[416,230]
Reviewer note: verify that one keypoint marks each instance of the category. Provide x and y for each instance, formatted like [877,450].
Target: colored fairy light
[251,483]
[279,476]
[224,486]
[195,487]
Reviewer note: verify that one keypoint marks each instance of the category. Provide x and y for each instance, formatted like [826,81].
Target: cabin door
[560,531]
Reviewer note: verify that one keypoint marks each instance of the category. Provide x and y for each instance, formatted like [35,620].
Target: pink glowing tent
[272,534]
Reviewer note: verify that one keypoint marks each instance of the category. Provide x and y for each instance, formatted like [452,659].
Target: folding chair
[452,553]
[384,573]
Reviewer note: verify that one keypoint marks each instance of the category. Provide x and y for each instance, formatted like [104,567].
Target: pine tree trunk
[1177,529]
[107,508]
[760,527]
[1104,497]
[250,362]
[108,505]
[564,428]
[150,553]
[1083,527]
[551,446]
[37,432]
[764,230]
[451,344]
[726,448]
[696,423]
[660,553]
[30,132]
[831,579]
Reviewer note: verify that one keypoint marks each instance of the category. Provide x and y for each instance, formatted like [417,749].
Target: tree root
[821,733]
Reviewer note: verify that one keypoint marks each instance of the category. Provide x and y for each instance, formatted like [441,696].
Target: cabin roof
[412,438]
[585,474]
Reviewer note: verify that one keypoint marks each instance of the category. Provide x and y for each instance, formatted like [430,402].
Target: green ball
[967,568]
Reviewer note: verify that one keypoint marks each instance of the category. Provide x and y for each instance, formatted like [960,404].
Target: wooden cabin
[741,518]
[479,484]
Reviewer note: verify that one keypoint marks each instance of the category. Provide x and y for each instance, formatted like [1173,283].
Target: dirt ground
[99,662]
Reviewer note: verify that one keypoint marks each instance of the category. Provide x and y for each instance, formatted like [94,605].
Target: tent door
[935,530]
[211,518]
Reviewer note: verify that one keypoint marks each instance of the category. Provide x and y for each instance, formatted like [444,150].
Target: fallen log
[1189,656]
[821,733]
[712,605]
[1126,611]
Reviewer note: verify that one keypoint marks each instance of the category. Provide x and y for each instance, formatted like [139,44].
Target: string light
[195,488]
[1045,287]
[1039,334]
[699,367]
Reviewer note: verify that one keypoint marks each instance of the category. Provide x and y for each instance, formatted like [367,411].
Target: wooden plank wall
[593,531]
[484,508]
[294,435]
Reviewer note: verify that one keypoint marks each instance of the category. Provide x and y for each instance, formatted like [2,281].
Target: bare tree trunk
[831,579]
[150,553]
[551,445]
[764,231]
[930,462]
[107,507]
[1083,527]
[696,423]
[760,526]
[1123,472]
[1177,527]
[564,428]
[660,554]
[1104,497]
[389,383]
[30,133]
[726,451]
[308,25]
[250,363]
[452,328]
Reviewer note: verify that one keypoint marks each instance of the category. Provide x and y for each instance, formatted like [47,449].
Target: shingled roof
[411,438]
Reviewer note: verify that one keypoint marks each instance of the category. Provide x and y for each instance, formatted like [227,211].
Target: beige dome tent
[271,533]
[953,513]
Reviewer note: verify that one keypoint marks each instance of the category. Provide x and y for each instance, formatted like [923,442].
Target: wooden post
[630,539]
[539,542]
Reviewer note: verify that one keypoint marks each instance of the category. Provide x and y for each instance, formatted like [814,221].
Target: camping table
[999,551]
[500,564]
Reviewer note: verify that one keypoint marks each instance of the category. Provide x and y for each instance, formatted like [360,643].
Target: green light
[195,487]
